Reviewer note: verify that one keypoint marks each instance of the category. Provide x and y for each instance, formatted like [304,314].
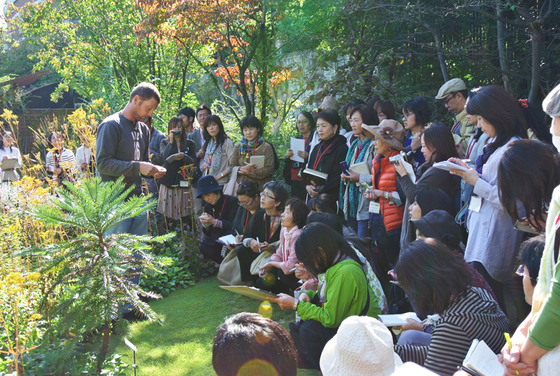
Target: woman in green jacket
[343,291]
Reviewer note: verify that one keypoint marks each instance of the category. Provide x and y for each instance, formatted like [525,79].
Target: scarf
[213,152]
[483,158]
[356,154]
[248,147]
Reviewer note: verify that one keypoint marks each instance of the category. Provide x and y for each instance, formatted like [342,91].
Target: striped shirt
[472,315]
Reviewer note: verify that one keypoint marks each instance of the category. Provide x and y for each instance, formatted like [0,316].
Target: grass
[183,344]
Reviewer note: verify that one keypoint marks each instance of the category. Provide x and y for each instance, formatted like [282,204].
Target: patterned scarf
[251,145]
[215,151]
[354,191]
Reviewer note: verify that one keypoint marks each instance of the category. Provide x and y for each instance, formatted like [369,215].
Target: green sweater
[345,296]
[545,331]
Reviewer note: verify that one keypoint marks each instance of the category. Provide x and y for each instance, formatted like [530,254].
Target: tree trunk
[439,47]
[536,41]
[502,54]
[106,335]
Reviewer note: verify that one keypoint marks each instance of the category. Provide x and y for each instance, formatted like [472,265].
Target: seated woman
[530,256]
[292,170]
[263,230]
[327,155]
[217,149]
[249,344]
[343,292]
[278,274]
[252,145]
[438,280]
[217,218]
[437,146]
[427,200]
[175,199]
[60,161]
[248,195]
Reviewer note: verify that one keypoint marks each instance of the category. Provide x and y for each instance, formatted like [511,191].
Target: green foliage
[95,268]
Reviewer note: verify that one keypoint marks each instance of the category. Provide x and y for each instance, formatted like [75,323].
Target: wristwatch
[386,196]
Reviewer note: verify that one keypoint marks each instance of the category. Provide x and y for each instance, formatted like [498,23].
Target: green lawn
[183,344]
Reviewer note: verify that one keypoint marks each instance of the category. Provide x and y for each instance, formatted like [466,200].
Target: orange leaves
[280,76]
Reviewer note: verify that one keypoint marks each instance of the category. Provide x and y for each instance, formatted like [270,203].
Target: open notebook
[481,361]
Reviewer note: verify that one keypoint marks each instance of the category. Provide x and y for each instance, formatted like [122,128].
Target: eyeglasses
[520,272]
[266,195]
[246,203]
[446,101]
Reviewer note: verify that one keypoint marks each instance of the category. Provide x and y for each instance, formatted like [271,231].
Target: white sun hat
[362,346]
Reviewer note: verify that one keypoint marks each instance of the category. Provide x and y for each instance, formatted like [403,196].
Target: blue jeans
[360,227]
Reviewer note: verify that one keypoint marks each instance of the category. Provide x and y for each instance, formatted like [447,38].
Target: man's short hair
[187,111]
[146,91]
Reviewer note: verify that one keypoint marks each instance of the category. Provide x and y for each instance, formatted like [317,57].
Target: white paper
[397,319]
[446,165]
[297,144]
[482,359]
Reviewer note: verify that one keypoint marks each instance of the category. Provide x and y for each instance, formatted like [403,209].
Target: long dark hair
[528,172]
[501,110]
[4,133]
[220,137]
[438,137]
[319,247]
[431,274]
[385,106]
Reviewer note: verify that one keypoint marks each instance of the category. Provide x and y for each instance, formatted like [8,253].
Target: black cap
[207,184]
[441,225]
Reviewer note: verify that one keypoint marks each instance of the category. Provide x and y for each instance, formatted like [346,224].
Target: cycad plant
[95,270]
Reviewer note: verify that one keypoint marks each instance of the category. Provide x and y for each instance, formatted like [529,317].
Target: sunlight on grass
[183,344]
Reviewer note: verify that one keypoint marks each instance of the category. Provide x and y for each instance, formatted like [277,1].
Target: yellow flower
[36,316]
[33,277]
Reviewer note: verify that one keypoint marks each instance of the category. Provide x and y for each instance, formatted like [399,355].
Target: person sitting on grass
[217,218]
[278,274]
[438,280]
[263,230]
[249,344]
[343,292]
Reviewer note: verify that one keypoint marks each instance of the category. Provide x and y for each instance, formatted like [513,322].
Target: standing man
[187,114]
[454,94]
[122,150]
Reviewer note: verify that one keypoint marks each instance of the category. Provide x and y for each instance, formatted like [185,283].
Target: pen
[292,270]
[508,340]
[258,241]
[236,232]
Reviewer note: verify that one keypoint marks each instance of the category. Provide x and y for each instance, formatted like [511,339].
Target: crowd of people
[387,217]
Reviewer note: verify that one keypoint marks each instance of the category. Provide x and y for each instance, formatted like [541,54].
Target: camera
[395,158]
[176,133]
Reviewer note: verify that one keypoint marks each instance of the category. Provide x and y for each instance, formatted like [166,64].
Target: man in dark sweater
[123,147]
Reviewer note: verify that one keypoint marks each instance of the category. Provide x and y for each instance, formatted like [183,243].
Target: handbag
[232,185]
[230,271]
[259,262]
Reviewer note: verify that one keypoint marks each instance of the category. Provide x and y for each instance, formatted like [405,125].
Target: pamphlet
[297,144]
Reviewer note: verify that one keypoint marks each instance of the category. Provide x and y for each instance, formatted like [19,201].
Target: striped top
[472,315]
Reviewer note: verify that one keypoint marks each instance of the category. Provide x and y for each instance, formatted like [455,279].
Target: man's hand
[148,169]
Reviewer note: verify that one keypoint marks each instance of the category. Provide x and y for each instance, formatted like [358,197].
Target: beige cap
[390,131]
[452,86]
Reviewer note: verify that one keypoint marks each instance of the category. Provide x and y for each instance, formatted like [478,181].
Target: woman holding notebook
[253,156]
[359,161]
[326,156]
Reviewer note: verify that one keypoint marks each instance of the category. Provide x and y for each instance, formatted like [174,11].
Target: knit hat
[362,346]
[452,86]
[207,184]
[441,225]
[390,131]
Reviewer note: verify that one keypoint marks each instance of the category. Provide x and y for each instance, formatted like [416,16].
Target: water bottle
[265,309]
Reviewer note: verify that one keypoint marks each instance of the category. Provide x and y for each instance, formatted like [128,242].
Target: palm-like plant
[94,268]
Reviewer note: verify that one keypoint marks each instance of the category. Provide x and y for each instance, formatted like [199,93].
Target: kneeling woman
[343,291]
[217,218]
[439,281]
